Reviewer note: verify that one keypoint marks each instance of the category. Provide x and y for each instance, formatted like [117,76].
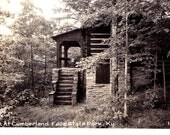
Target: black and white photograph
[96,64]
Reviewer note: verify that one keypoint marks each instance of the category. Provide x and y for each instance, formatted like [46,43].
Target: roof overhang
[69,35]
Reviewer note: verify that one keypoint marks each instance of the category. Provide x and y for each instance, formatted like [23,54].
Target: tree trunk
[163,64]
[126,62]
[3,66]
[45,73]
[32,69]
[164,79]
[155,72]
[114,62]
[45,68]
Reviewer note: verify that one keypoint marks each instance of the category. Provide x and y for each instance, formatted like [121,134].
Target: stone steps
[65,85]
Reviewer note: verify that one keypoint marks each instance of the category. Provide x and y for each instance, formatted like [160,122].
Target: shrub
[144,100]
[5,113]
[26,97]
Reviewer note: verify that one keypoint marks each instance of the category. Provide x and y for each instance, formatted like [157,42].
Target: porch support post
[65,56]
[59,54]
[88,52]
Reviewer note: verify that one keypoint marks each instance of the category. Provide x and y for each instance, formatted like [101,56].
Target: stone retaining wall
[94,91]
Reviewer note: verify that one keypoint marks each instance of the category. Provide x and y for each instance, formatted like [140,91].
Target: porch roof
[73,35]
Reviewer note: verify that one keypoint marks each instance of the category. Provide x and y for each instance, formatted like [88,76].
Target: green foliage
[26,97]
[5,113]
[34,45]
[25,54]
[153,99]
[147,30]
[148,33]
[10,74]
[90,10]
[150,99]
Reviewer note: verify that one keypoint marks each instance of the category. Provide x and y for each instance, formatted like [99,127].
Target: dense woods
[140,37]
[28,55]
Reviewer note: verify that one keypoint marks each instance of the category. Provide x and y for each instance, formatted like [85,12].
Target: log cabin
[73,85]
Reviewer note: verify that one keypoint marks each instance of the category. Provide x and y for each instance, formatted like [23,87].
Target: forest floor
[100,114]
[58,116]
[84,115]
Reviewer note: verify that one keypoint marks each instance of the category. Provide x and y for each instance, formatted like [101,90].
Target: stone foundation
[94,91]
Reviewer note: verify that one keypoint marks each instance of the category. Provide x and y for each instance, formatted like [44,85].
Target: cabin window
[103,73]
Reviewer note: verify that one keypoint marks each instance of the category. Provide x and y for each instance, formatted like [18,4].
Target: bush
[152,99]
[144,100]
[5,113]
[26,97]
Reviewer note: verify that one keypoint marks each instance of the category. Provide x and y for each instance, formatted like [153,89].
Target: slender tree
[9,64]
[32,33]
[126,59]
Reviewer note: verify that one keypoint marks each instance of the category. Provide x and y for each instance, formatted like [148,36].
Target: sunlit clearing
[12,6]
[48,6]
[5,31]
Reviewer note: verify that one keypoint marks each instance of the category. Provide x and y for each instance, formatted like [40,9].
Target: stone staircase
[65,86]
[63,95]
